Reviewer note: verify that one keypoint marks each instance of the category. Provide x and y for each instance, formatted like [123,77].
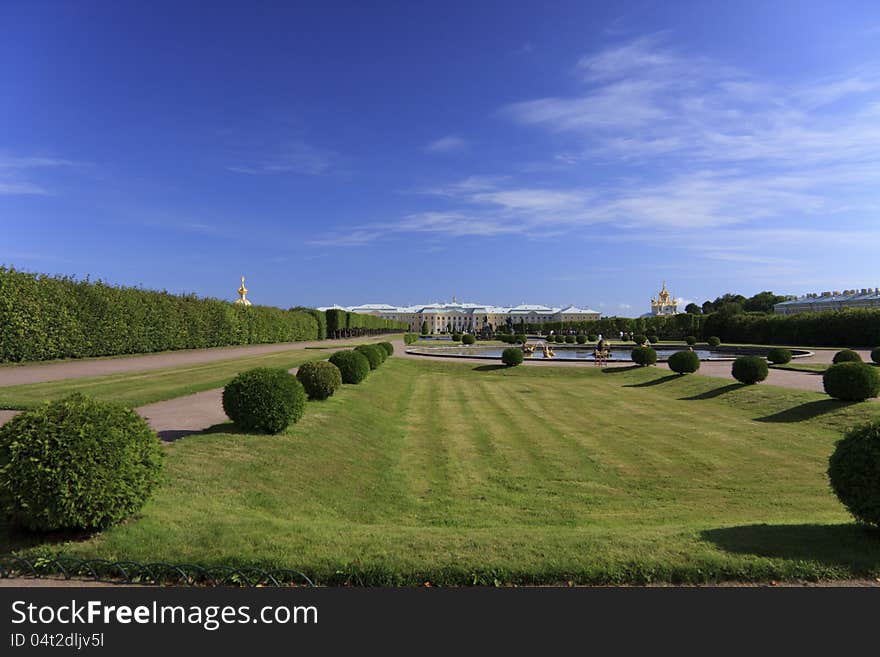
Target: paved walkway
[11,375]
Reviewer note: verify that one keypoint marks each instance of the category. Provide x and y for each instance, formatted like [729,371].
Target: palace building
[664,303]
[863,298]
[471,317]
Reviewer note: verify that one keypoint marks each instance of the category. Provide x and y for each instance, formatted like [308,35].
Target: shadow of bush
[715,392]
[853,546]
[806,411]
[654,382]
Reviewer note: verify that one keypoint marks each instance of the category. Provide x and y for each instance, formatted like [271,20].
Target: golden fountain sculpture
[242,295]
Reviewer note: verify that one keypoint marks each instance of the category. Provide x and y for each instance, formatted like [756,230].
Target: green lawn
[139,388]
[457,473]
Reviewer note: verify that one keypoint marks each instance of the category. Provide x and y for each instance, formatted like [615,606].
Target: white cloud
[448,144]
[295,157]
[11,188]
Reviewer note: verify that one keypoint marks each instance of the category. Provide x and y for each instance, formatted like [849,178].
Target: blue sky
[553,152]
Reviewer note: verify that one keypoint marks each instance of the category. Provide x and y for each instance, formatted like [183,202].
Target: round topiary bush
[875,355]
[854,471]
[779,356]
[512,356]
[320,378]
[569,339]
[388,347]
[640,339]
[592,337]
[580,338]
[76,463]
[749,369]
[456,337]
[375,356]
[264,399]
[713,341]
[691,340]
[851,381]
[846,356]
[653,339]
[684,362]
[410,338]
[353,365]
[468,339]
[643,356]
[520,339]
[559,339]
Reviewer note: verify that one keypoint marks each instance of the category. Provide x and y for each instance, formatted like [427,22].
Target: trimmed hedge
[875,355]
[653,339]
[410,338]
[264,399]
[640,339]
[643,356]
[713,341]
[456,337]
[468,339]
[44,317]
[320,378]
[76,463]
[851,381]
[580,338]
[592,337]
[690,340]
[559,339]
[569,339]
[512,356]
[375,355]
[846,356]
[388,347]
[779,356]
[684,362]
[749,369]
[854,472]
[353,365]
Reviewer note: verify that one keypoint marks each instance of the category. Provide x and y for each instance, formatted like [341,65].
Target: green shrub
[388,347]
[76,463]
[875,355]
[467,338]
[410,338]
[854,471]
[521,339]
[684,362]
[581,338]
[713,341]
[643,356]
[512,356]
[569,339]
[559,339]
[653,339]
[375,356]
[691,340]
[319,378]
[850,381]
[456,337]
[749,369]
[353,365]
[592,337]
[264,399]
[846,356]
[779,356]
[640,339]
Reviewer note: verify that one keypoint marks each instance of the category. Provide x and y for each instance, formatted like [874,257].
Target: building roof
[466,308]
[864,294]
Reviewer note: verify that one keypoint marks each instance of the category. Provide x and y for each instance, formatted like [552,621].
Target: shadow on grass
[654,382]
[806,411]
[14,538]
[851,545]
[171,435]
[625,368]
[715,392]
[489,368]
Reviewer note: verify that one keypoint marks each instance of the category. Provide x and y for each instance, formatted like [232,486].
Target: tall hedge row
[341,323]
[832,328]
[45,317]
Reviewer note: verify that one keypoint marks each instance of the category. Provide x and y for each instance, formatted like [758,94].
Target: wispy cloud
[448,144]
[16,173]
[295,158]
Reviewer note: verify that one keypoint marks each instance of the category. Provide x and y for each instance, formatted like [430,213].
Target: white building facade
[817,302]
[471,317]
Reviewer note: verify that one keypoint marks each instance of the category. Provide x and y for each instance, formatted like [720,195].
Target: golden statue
[242,295]
[548,351]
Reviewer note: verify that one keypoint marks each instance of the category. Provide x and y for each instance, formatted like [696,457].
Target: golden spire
[242,295]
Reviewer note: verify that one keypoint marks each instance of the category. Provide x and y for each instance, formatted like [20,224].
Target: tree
[763,302]
[708,307]
[693,309]
[425,328]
